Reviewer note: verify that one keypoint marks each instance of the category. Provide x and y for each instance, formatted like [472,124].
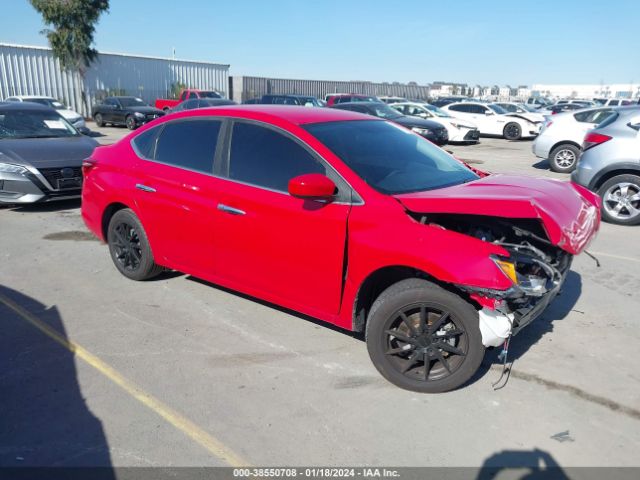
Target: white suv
[560,140]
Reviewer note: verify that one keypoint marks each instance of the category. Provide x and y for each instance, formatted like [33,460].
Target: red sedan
[347,218]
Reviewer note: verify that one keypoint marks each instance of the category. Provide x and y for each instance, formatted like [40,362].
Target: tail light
[87,165]
[548,124]
[592,139]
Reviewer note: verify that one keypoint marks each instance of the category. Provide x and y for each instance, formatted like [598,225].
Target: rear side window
[189,144]
[144,144]
[613,116]
[263,157]
[461,108]
[594,116]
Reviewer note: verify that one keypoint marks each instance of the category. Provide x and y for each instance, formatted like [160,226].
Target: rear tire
[129,247]
[424,338]
[512,131]
[563,158]
[621,200]
[98,119]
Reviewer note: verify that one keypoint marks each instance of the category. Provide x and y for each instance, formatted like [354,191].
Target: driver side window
[266,158]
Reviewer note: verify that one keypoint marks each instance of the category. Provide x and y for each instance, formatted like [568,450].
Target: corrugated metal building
[245,88]
[34,71]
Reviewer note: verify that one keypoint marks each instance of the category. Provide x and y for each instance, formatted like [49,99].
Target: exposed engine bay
[540,266]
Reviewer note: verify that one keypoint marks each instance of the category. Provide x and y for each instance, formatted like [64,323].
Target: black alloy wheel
[129,247]
[425,342]
[126,244]
[512,131]
[423,338]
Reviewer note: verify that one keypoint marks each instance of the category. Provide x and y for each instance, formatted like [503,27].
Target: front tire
[621,200]
[130,122]
[424,338]
[512,131]
[563,158]
[98,119]
[129,247]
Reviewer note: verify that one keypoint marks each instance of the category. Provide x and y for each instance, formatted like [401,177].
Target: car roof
[31,96]
[288,95]
[292,114]
[18,106]
[366,104]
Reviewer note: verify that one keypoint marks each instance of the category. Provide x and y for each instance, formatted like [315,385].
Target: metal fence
[245,88]
[35,71]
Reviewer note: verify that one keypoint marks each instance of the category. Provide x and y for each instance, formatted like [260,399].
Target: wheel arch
[564,142]
[107,214]
[613,171]
[381,279]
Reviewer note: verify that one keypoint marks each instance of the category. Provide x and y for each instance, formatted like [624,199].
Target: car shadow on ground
[529,336]
[279,308]
[45,421]
[93,134]
[54,206]
[521,465]
[541,165]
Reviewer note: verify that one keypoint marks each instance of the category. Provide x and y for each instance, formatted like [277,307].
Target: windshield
[528,108]
[437,111]
[47,102]
[131,102]
[310,102]
[364,99]
[34,124]
[383,110]
[209,95]
[390,158]
[498,109]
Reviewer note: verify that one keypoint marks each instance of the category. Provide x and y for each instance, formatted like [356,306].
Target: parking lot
[99,370]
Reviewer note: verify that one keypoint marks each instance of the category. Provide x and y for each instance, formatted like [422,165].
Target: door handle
[144,188]
[233,211]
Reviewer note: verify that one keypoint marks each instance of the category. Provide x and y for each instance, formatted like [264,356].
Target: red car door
[268,243]
[175,194]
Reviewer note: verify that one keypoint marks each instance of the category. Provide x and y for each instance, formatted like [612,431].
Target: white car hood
[69,114]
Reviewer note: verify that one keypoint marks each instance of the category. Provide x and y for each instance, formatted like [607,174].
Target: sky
[477,42]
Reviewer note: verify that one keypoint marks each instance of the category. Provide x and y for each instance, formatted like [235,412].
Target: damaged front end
[536,267]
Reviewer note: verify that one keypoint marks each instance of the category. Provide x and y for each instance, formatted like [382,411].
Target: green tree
[71,27]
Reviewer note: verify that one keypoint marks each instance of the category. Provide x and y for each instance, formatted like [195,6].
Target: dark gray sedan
[41,154]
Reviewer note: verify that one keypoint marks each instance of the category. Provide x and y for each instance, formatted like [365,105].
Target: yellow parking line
[210,443]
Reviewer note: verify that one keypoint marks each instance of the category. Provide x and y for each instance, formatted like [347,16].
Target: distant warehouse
[26,70]
[246,88]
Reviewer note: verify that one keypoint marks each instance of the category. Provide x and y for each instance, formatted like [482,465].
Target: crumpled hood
[529,117]
[569,213]
[47,152]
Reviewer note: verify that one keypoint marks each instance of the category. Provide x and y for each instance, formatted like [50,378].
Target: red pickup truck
[167,104]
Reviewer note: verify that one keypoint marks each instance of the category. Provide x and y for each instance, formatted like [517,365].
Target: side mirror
[312,186]
[423,115]
[488,112]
